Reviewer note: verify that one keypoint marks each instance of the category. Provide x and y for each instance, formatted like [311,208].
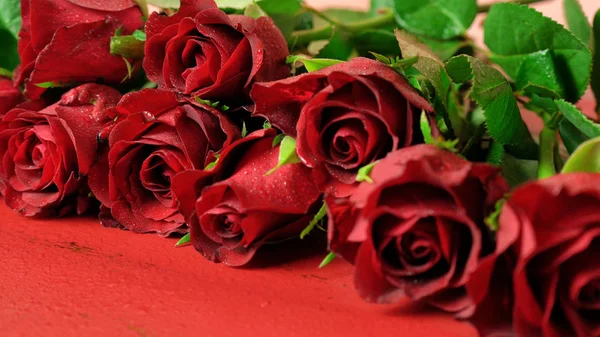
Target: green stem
[547,143]
[486,8]
[322,33]
[303,37]
[384,19]
[127,46]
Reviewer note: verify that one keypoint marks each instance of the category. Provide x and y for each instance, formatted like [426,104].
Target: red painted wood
[72,277]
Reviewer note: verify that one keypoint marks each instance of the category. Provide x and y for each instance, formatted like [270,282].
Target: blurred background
[551,8]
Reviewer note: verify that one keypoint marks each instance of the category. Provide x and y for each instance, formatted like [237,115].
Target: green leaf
[570,135]
[327,260]
[9,58]
[287,153]
[364,172]
[377,5]
[6,73]
[338,48]
[425,128]
[244,130]
[376,40]
[312,64]
[140,35]
[254,11]
[494,95]
[318,217]
[174,4]
[439,19]
[577,21]
[585,125]
[495,154]
[274,7]
[428,63]
[277,140]
[444,49]
[585,159]
[518,171]
[10,17]
[185,240]
[267,125]
[596,68]
[540,52]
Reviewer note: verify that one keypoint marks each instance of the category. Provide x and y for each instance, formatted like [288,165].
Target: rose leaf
[492,92]
[173,4]
[311,64]
[596,68]
[541,52]
[363,172]
[439,19]
[577,21]
[578,119]
[267,125]
[377,5]
[311,225]
[376,40]
[6,73]
[425,128]
[518,171]
[10,17]
[585,159]
[570,135]
[185,240]
[254,11]
[327,260]
[495,153]
[287,154]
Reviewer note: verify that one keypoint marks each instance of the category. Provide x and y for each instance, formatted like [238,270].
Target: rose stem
[127,46]
[305,36]
[547,166]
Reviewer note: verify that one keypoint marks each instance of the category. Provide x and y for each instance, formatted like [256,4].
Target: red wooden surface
[72,277]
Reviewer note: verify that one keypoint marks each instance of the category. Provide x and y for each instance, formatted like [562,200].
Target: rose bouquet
[238,124]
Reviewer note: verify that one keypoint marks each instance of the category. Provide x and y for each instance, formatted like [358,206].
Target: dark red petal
[86,47]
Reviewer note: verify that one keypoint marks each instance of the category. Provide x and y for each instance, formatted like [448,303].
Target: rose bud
[202,51]
[245,208]
[420,230]
[554,227]
[68,41]
[345,117]
[47,152]
[161,135]
[10,96]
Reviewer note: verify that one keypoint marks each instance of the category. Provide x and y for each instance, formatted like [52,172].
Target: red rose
[10,96]
[420,231]
[65,41]
[232,218]
[161,136]
[47,152]
[202,51]
[555,227]
[345,116]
